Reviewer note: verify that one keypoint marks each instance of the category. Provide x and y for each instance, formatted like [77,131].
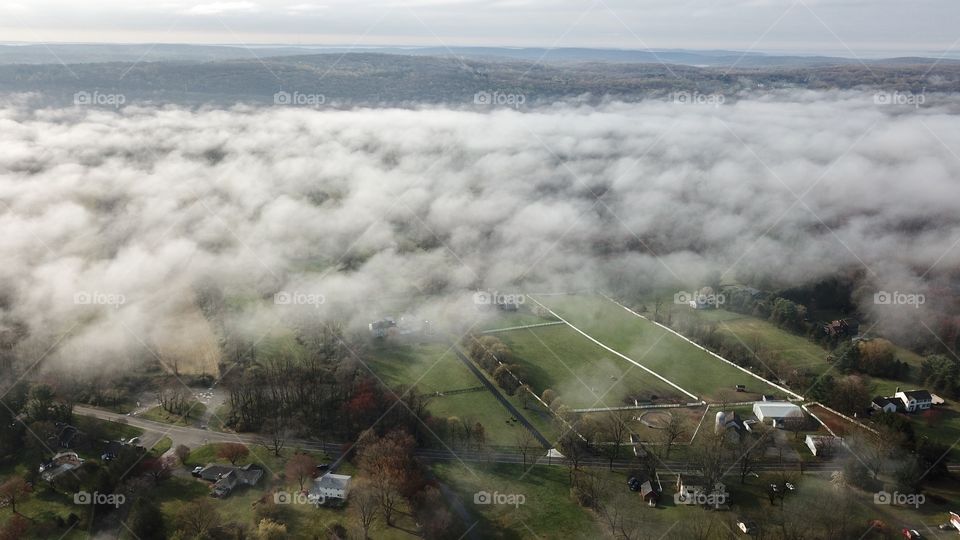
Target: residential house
[330,487]
[383,327]
[775,412]
[59,464]
[886,404]
[822,445]
[226,478]
[915,400]
[67,435]
[705,298]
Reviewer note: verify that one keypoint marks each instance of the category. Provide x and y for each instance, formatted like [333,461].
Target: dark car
[633,484]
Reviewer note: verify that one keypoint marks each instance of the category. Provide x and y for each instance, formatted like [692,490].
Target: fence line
[627,358]
[524,327]
[704,349]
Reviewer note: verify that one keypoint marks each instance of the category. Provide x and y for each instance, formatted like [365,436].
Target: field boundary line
[627,358]
[704,349]
[638,407]
[524,327]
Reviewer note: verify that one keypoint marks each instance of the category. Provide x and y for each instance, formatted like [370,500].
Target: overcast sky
[862,27]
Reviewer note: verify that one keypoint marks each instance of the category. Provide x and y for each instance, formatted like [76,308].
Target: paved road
[199,437]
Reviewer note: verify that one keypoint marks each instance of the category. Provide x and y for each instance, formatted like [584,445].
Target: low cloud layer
[149,231]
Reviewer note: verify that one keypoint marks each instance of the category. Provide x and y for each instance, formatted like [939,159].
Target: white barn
[775,412]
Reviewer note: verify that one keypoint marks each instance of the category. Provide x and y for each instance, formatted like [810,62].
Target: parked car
[134,441]
[912,534]
[196,471]
[633,484]
[741,388]
[323,467]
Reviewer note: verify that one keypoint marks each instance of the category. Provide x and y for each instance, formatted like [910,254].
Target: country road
[194,437]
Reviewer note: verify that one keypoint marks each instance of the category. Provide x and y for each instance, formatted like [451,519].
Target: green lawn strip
[583,374]
[158,414]
[547,510]
[161,447]
[105,429]
[433,367]
[659,350]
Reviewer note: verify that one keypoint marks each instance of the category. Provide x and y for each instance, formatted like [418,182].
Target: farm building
[775,412]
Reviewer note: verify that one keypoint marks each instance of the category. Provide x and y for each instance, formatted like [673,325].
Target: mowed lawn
[547,510]
[434,367]
[583,374]
[655,348]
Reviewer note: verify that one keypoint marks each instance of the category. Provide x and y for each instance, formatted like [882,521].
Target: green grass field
[495,319]
[547,512]
[433,367]
[105,429]
[655,348]
[583,374]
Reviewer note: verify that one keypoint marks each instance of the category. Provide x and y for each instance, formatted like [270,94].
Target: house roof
[248,474]
[882,401]
[918,395]
[646,489]
[332,481]
[775,409]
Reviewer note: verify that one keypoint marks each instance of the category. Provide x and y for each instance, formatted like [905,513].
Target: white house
[330,486]
[822,445]
[915,400]
[775,412]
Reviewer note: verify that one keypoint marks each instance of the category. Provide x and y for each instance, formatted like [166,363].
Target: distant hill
[374,79]
[102,52]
